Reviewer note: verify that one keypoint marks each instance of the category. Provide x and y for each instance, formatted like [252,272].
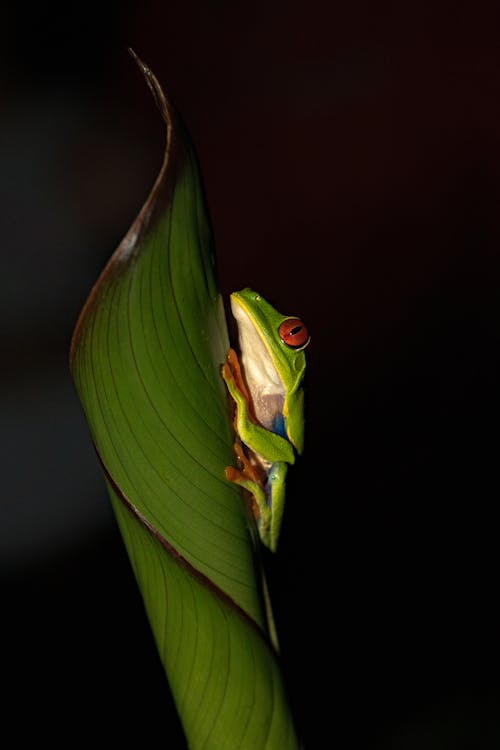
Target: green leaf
[145,358]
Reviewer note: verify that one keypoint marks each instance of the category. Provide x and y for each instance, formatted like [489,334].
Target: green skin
[276,450]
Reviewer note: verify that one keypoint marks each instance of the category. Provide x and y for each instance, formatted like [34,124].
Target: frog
[265,385]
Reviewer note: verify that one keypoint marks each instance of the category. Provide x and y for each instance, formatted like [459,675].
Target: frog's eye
[294,333]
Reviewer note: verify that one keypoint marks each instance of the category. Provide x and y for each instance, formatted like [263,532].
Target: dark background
[351,159]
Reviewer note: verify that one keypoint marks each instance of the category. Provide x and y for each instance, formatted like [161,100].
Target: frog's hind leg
[276,492]
[251,480]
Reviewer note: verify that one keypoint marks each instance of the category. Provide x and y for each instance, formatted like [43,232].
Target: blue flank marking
[279,426]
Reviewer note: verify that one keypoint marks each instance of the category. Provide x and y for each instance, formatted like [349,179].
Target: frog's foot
[248,472]
[233,377]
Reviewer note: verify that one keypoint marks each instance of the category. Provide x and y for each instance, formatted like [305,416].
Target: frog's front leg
[271,446]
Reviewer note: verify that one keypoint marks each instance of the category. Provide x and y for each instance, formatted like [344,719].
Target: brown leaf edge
[129,247]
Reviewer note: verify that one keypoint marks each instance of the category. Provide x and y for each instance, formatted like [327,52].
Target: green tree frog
[265,384]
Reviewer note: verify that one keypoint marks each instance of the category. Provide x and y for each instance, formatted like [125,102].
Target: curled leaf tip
[131,243]
[155,87]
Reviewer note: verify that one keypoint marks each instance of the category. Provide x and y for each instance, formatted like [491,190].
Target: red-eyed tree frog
[265,384]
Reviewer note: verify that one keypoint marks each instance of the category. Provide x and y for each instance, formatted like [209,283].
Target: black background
[351,161]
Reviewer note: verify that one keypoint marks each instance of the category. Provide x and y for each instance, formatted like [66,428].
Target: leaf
[145,358]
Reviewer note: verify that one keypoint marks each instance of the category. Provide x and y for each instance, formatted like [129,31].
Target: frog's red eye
[294,333]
